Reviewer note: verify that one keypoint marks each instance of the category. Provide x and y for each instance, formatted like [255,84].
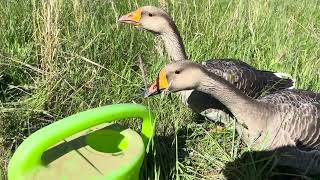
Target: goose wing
[300,116]
[293,97]
[246,78]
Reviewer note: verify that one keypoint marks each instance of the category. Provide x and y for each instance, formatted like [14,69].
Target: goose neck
[174,45]
[248,111]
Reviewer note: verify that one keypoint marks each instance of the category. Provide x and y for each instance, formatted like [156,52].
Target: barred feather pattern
[252,82]
[299,116]
[297,128]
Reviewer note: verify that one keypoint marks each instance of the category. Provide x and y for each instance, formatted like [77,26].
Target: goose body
[286,120]
[246,78]
[252,82]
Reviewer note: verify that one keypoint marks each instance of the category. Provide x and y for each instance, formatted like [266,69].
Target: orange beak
[131,18]
[159,85]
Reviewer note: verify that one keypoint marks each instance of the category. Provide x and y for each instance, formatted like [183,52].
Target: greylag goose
[246,78]
[287,119]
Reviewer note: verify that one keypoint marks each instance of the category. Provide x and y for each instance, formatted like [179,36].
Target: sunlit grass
[63,57]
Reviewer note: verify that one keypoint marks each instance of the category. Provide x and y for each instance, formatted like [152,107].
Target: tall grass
[60,57]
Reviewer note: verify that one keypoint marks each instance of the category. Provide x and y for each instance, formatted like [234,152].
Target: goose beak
[161,84]
[131,18]
[153,90]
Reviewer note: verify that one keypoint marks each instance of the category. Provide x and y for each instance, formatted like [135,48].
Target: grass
[61,57]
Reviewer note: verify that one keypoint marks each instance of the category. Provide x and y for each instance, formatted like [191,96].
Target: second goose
[288,120]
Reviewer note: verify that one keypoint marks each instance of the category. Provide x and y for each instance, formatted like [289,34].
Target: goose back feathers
[251,81]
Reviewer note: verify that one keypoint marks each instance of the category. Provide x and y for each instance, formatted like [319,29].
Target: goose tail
[285,80]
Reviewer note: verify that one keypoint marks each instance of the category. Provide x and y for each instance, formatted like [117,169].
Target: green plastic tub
[86,146]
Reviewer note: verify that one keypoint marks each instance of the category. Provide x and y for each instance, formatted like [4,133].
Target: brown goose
[288,119]
[246,78]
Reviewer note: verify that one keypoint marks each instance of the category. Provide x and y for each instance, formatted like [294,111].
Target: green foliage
[60,57]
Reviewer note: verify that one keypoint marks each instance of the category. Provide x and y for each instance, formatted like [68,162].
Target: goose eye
[177,72]
[150,14]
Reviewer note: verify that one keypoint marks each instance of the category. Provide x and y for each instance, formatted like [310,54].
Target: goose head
[150,18]
[177,76]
